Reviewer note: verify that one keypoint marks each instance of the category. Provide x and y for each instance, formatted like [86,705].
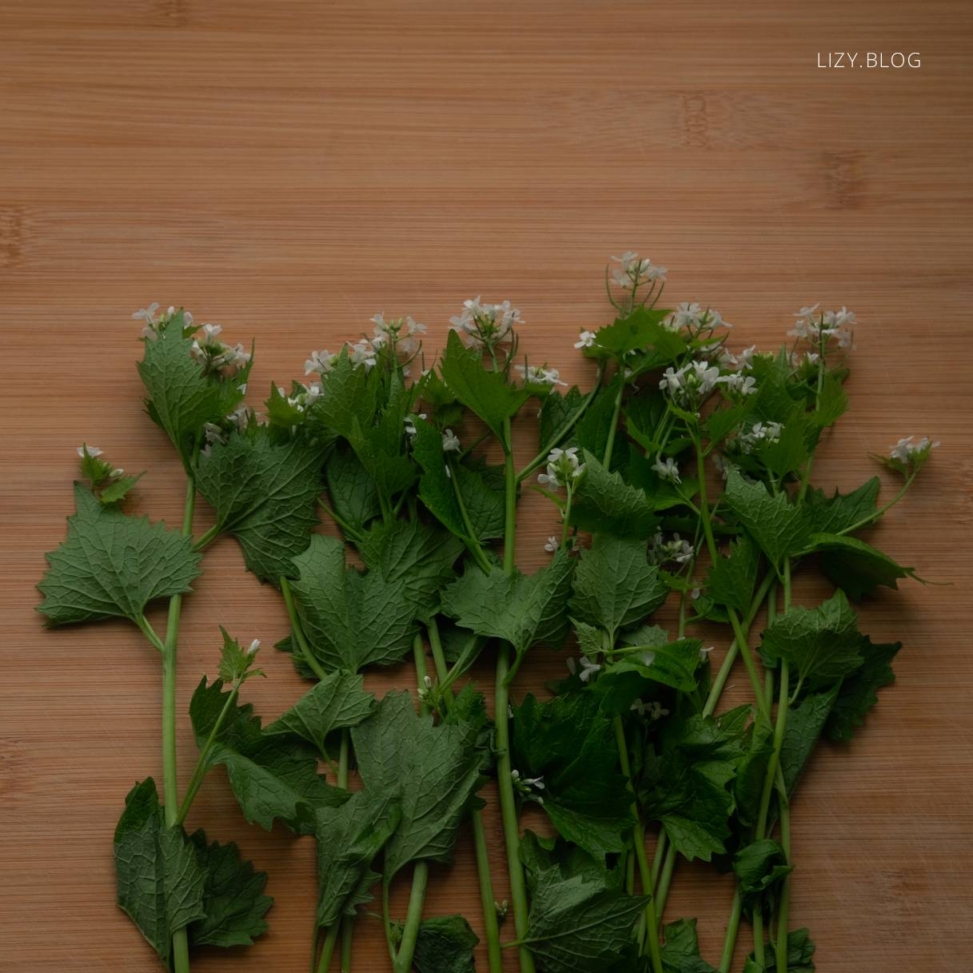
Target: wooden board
[288,169]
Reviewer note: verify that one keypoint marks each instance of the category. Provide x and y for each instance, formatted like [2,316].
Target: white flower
[93,451]
[253,647]
[743,361]
[363,353]
[414,327]
[676,550]
[213,433]
[116,473]
[905,450]
[704,653]
[585,340]
[588,668]
[410,426]
[562,465]
[540,375]
[240,417]
[689,384]
[743,385]
[653,710]
[667,469]
[210,333]
[526,786]
[320,363]
[553,543]
[379,321]
[147,314]
[451,443]
[759,432]
[820,329]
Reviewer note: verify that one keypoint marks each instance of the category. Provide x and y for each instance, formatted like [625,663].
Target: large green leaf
[778,526]
[605,503]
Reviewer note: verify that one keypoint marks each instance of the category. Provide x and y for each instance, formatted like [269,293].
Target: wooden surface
[288,169]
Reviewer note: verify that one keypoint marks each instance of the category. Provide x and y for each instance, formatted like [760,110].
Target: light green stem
[732,931]
[170,771]
[306,654]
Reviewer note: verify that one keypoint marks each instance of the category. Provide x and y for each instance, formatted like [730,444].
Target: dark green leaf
[113,565]
[680,949]
[605,503]
[858,692]
[856,567]
[672,664]
[838,513]
[760,865]
[731,580]
[349,396]
[445,944]
[778,527]
[353,493]
[804,724]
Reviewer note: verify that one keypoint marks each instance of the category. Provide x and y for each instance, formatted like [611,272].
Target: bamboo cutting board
[288,169]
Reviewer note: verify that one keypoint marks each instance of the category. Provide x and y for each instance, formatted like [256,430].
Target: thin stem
[207,538]
[347,923]
[327,950]
[613,427]
[306,654]
[170,771]
[471,540]
[150,633]
[510,501]
[732,931]
[872,517]
[665,879]
[566,519]
[413,917]
[487,901]
[660,854]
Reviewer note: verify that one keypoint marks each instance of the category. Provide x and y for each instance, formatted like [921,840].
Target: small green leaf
[673,664]
[605,503]
[265,495]
[118,490]
[680,949]
[236,663]
[641,331]
[614,585]
[820,643]
[856,567]
[569,743]
[760,865]
[161,885]
[354,496]
[233,897]
[337,701]
[804,724]
[838,513]
[778,527]
[487,394]
[113,565]
[731,580]
[349,397]
[857,694]
[521,609]
[445,944]
[350,619]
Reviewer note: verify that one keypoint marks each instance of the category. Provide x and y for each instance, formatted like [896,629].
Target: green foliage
[858,692]
[856,567]
[445,944]
[113,565]
[778,526]
[605,503]
[264,494]
[680,951]
[841,511]
[732,579]
[236,663]
[569,743]
[800,950]
[351,619]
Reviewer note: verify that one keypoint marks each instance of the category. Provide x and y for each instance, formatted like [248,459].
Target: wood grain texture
[290,168]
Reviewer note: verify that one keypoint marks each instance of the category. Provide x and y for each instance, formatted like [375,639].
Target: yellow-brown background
[288,169]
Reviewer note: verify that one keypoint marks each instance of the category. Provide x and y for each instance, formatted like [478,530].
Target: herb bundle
[682,478]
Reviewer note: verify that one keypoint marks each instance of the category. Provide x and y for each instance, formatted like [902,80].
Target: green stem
[732,931]
[660,853]
[872,517]
[613,427]
[145,626]
[665,879]
[487,901]
[170,771]
[566,520]
[471,541]
[783,907]
[207,538]
[302,643]
[327,950]
[347,922]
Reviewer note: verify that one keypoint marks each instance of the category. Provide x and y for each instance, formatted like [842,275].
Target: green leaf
[760,865]
[800,949]
[272,777]
[614,585]
[161,885]
[337,701]
[236,663]
[521,609]
[672,664]
[349,397]
[686,785]
[820,643]
[680,949]
[350,619]
[233,897]
[182,398]
[578,923]
[591,432]
[435,770]
[556,414]
[354,496]
[642,330]
[419,556]
[856,567]
[752,768]
[265,495]
[569,743]
[731,580]
[836,514]
[349,838]
[605,503]
[485,393]
[778,527]
[118,490]
[858,692]
[445,944]
[804,724]
[113,565]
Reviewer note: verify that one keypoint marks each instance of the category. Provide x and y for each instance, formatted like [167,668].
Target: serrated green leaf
[161,885]
[858,692]
[182,398]
[349,838]
[233,897]
[760,865]
[557,413]
[350,619]
[264,494]
[731,580]
[335,702]
[605,503]
[445,944]
[804,724]
[435,770]
[349,396]
[487,394]
[680,949]
[642,331]
[354,496]
[272,777]
[521,609]
[569,743]
[113,565]
[838,513]
[118,489]
[778,527]
[236,663]
[614,585]
[673,664]
[856,567]
[820,643]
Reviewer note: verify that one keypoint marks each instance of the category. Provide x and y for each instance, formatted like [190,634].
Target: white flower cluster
[152,320]
[216,356]
[401,332]
[486,325]
[410,424]
[540,375]
[451,443]
[695,319]
[528,788]
[743,361]
[690,384]
[586,340]
[635,271]
[820,328]
[675,549]
[906,451]
[666,469]
[759,432]
[587,670]
[563,466]
[652,710]
[552,544]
